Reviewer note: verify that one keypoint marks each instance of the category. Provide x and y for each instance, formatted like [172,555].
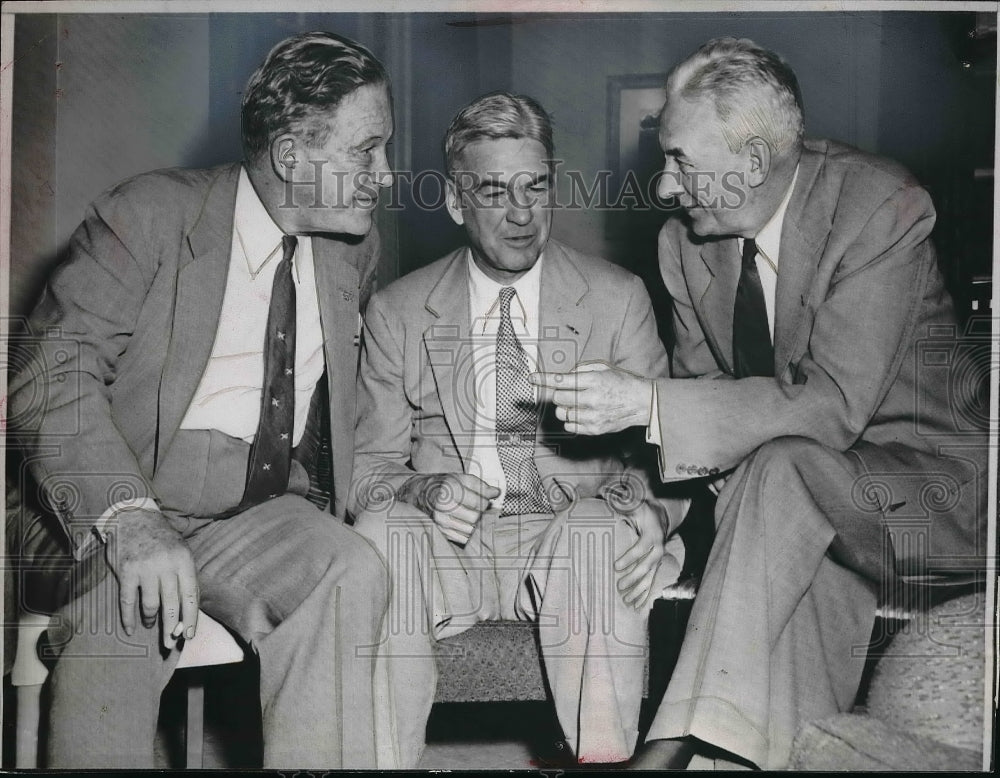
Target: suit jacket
[415,408]
[123,332]
[861,310]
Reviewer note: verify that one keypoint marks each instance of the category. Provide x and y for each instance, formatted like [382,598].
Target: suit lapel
[564,327]
[803,236]
[201,282]
[718,275]
[447,344]
[337,291]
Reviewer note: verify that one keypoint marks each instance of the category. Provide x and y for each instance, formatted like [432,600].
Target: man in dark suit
[798,390]
[481,508]
[201,332]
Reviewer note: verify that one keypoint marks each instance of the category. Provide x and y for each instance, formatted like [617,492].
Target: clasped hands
[455,502]
[154,567]
[595,398]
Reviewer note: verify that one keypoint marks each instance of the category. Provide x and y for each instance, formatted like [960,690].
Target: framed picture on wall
[634,155]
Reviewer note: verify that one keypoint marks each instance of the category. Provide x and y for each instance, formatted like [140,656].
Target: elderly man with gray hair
[806,294]
[482,507]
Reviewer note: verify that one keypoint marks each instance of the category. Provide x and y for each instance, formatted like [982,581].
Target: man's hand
[595,398]
[153,566]
[454,501]
[638,565]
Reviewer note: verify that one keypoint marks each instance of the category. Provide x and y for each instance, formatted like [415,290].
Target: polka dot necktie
[516,420]
[753,354]
[271,451]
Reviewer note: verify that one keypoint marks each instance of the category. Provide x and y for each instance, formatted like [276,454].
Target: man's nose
[381,172]
[519,210]
[669,183]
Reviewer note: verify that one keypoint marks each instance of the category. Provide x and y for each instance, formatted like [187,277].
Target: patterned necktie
[271,451]
[516,421]
[753,354]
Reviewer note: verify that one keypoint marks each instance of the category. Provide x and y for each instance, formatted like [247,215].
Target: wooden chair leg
[28,717]
[194,738]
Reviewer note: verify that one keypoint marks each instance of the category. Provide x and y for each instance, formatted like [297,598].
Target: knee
[784,457]
[394,524]
[338,556]
[365,564]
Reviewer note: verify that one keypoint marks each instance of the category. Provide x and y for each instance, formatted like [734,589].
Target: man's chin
[355,222]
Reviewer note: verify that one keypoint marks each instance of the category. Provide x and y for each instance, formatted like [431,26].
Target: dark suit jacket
[125,328]
[860,304]
[415,403]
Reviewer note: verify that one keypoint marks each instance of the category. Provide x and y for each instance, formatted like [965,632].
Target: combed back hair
[493,116]
[754,90]
[297,85]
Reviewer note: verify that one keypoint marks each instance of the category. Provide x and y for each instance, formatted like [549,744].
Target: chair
[212,645]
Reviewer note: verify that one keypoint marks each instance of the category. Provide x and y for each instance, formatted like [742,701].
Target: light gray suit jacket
[125,328]
[416,410]
[864,335]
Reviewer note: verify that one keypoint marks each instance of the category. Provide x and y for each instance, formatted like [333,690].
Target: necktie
[753,354]
[270,453]
[516,420]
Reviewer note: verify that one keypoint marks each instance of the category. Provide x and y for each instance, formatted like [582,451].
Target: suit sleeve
[859,334]
[637,346]
[384,423]
[60,399]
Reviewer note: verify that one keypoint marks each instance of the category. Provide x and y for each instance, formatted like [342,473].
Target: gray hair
[754,91]
[297,85]
[493,116]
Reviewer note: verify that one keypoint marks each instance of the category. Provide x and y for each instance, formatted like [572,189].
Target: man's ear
[760,161]
[283,158]
[453,200]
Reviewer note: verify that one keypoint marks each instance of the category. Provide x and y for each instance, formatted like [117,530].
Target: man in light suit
[840,457]
[482,509]
[201,333]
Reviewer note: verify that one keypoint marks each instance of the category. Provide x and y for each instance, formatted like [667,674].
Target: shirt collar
[259,238]
[484,292]
[769,237]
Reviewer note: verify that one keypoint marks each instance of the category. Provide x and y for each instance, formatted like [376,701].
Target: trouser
[805,538]
[303,589]
[556,570]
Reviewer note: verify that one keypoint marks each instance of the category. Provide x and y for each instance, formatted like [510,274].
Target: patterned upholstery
[498,661]
[925,702]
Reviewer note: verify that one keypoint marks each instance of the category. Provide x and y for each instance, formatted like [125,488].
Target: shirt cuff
[98,532]
[653,425]
[653,431]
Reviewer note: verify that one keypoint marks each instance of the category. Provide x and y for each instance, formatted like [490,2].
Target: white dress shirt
[228,397]
[484,312]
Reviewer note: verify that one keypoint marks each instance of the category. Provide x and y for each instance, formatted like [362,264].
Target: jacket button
[713,471]
[681,468]
[692,469]
[702,471]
